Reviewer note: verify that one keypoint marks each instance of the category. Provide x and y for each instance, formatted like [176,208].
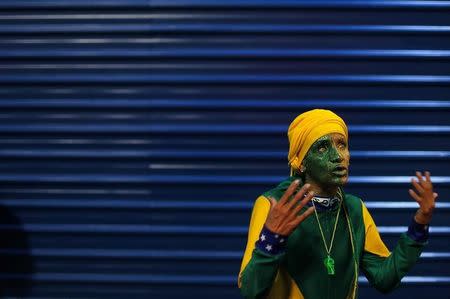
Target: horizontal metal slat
[373,4]
[71,3]
[225,79]
[223,28]
[211,128]
[173,229]
[265,92]
[180,279]
[138,254]
[221,103]
[158,254]
[129,52]
[185,205]
[193,179]
[200,154]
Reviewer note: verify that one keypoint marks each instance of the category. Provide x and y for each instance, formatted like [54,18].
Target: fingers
[300,194]
[414,195]
[273,202]
[435,195]
[283,215]
[294,212]
[419,176]
[284,199]
[423,184]
[417,186]
[303,203]
[427,175]
[299,219]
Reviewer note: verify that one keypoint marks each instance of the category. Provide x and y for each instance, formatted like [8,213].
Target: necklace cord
[334,229]
[355,282]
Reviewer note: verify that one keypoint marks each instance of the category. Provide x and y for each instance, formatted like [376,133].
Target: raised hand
[283,216]
[424,196]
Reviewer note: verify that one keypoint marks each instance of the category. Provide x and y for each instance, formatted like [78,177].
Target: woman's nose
[336,155]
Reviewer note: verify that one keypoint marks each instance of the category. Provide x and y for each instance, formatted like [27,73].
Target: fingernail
[297,181]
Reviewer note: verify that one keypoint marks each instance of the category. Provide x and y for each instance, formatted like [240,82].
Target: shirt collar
[324,203]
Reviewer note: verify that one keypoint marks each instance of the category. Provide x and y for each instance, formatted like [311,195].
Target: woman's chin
[340,181]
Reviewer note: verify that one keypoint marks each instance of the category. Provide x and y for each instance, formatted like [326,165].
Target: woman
[308,239]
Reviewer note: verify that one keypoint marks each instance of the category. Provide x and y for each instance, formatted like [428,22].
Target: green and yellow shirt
[279,267]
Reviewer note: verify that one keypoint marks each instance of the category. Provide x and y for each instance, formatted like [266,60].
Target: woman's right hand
[283,216]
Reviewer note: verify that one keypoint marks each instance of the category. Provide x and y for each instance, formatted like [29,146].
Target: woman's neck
[321,191]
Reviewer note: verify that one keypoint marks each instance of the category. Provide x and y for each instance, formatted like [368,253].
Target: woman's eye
[342,145]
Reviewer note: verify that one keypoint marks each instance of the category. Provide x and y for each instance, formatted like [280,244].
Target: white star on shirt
[269,247]
[263,237]
[281,240]
[276,236]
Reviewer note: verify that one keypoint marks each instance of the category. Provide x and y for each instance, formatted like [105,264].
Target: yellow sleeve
[383,269]
[283,285]
[373,242]
[260,211]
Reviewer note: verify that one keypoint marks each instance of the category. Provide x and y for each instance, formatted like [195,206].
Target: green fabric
[305,253]
[385,273]
[259,274]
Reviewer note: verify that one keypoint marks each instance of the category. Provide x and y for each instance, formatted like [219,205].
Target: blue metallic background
[135,135]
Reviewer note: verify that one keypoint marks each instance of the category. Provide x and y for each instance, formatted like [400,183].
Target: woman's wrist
[422,218]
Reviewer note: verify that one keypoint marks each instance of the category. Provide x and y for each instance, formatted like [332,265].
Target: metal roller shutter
[135,135]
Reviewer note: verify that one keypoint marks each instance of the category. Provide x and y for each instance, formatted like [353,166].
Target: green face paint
[327,161]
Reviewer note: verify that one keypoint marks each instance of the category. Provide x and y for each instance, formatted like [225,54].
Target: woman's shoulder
[353,203]
[279,190]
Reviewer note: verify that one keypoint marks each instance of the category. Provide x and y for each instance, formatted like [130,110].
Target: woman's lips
[340,170]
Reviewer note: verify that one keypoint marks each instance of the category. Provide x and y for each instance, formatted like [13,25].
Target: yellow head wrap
[307,128]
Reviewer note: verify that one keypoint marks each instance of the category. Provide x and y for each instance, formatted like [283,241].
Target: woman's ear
[302,169]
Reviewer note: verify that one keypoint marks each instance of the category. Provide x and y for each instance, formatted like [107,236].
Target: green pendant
[329,264]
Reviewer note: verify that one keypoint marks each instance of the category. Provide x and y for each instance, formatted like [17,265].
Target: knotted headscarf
[307,128]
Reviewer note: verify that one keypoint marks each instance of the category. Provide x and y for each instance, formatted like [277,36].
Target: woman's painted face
[327,161]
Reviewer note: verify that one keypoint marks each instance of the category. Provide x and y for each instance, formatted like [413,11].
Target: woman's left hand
[424,196]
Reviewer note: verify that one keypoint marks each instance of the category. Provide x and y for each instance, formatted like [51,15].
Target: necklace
[328,261]
[355,282]
[325,201]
